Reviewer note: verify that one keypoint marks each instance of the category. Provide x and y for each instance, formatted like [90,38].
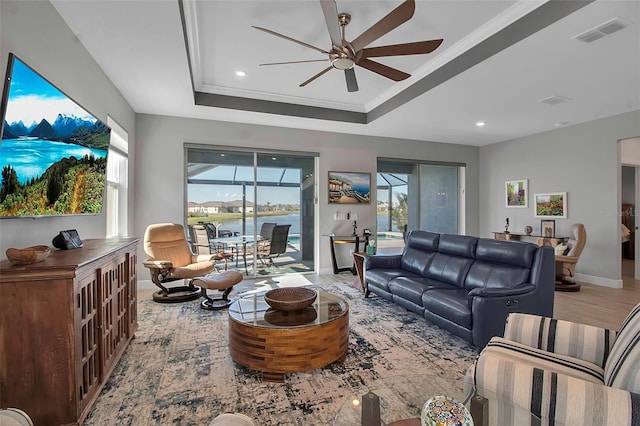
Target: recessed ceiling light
[241,74]
[480,123]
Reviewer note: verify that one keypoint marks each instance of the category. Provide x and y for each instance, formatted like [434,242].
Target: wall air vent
[553,100]
[609,27]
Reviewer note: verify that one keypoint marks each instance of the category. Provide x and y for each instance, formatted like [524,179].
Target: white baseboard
[592,279]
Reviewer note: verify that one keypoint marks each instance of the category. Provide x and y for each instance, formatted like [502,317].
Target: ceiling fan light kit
[344,55]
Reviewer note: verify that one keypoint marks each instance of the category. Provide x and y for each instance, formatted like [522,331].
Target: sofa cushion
[514,253]
[416,261]
[381,277]
[418,251]
[494,275]
[458,245]
[449,269]
[422,240]
[562,364]
[450,304]
[622,368]
[412,288]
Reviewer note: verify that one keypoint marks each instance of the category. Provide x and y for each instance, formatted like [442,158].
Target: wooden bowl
[290,318]
[27,255]
[290,298]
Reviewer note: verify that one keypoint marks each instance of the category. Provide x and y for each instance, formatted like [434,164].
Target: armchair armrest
[574,401]
[566,259]
[585,342]
[157,264]
[197,258]
[382,261]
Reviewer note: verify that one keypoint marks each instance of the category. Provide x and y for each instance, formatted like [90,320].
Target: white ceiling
[141,46]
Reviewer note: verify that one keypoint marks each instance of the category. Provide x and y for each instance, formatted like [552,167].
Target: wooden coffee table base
[276,351]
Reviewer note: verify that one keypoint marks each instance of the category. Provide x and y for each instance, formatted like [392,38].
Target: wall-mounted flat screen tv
[53,153]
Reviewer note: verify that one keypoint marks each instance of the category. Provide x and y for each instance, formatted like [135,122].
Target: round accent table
[279,342]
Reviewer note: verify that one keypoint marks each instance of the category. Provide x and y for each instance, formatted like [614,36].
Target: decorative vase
[443,410]
[528,229]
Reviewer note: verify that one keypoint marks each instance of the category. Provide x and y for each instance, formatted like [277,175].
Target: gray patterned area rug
[178,369]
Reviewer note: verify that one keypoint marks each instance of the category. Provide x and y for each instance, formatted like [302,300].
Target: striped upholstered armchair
[565,373]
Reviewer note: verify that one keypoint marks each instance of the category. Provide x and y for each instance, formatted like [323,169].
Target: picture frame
[349,188]
[548,228]
[516,193]
[551,205]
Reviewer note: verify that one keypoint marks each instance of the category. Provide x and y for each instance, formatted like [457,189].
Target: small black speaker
[66,240]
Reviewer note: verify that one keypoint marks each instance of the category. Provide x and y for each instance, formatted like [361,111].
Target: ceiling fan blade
[383,70]
[294,62]
[316,76]
[350,77]
[330,10]
[290,39]
[416,48]
[394,19]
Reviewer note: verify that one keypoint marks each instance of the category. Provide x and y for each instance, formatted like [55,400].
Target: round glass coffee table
[278,342]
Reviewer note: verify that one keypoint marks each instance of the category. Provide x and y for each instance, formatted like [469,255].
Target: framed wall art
[548,228]
[349,188]
[516,193]
[551,205]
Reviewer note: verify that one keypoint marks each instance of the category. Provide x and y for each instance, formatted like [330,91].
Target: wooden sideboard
[64,323]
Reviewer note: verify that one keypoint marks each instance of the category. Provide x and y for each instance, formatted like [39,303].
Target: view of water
[235,225]
[30,157]
[292,219]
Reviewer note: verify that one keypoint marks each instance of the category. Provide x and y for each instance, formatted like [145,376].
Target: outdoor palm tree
[399,212]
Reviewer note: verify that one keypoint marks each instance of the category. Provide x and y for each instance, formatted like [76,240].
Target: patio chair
[202,244]
[277,245]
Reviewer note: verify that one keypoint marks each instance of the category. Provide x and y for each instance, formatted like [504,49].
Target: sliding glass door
[414,195]
[240,196]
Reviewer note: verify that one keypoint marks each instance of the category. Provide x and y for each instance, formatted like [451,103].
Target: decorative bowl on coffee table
[290,298]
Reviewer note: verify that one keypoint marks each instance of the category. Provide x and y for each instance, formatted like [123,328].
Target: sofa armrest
[499,292]
[553,397]
[586,342]
[383,261]
[157,264]
[491,307]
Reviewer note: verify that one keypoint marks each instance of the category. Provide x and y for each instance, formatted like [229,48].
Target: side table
[358,262]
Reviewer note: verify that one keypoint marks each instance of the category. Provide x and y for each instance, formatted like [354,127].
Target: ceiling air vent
[601,30]
[553,100]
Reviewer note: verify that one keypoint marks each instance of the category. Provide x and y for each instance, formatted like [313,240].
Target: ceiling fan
[345,55]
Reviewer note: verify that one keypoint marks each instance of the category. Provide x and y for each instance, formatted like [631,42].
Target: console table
[541,240]
[346,239]
[64,323]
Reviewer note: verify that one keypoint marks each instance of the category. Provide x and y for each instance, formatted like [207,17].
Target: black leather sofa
[466,285]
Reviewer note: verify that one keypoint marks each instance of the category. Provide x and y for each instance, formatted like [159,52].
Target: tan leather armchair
[566,263]
[170,259]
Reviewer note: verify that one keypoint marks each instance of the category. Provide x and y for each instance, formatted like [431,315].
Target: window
[117,181]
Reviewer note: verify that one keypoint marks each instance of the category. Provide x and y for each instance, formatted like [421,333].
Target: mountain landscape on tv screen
[66,128]
[72,184]
[53,153]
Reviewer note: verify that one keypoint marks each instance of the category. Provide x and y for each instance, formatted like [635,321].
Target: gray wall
[160,167]
[35,32]
[582,160]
